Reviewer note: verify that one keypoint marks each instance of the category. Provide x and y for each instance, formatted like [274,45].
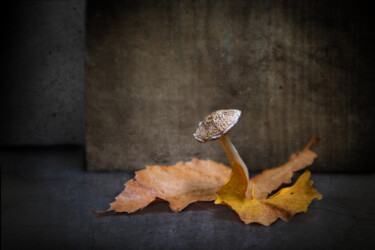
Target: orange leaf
[271,179]
[202,180]
[180,185]
[284,204]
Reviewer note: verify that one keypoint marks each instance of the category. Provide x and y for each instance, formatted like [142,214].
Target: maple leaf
[271,179]
[202,180]
[180,185]
[284,204]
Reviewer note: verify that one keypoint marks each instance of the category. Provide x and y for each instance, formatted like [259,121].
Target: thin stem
[232,153]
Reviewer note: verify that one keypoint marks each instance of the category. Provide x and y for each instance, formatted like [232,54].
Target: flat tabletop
[46,197]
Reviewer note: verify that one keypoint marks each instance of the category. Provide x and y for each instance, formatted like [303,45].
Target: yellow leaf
[199,180]
[271,179]
[284,204]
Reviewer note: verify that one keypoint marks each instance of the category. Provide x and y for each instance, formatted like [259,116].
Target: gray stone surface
[295,68]
[46,195]
[42,89]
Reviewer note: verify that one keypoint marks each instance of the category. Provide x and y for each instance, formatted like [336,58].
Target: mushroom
[215,126]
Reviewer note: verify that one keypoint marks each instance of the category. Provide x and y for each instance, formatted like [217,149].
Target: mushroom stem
[232,153]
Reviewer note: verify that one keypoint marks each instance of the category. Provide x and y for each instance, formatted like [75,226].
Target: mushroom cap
[216,124]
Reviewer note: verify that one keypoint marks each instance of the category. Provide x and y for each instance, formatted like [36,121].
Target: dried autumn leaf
[198,180]
[180,185]
[271,179]
[284,204]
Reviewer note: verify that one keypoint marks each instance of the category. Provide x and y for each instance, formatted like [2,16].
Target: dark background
[296,69]
[43,68]
[322,85]
[46,191]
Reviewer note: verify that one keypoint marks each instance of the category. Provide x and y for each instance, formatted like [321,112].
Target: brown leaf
[180,185]
[199,180]
[271,179]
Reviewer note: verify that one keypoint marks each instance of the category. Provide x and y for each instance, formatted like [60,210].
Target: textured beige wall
[156,68]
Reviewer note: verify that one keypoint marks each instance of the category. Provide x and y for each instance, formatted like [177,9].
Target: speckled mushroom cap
[216,124]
